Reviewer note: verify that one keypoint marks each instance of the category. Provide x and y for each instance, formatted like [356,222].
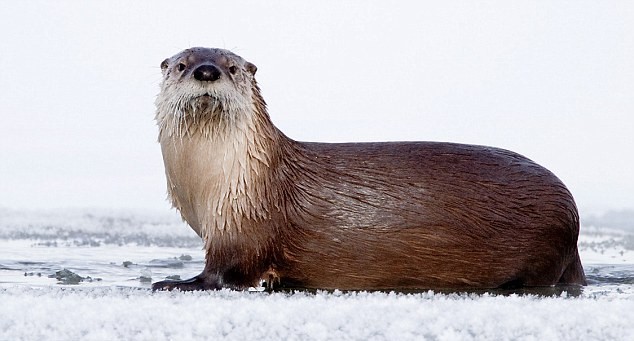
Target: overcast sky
[553,80]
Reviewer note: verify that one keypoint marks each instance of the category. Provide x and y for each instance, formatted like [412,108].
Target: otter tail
[574,274]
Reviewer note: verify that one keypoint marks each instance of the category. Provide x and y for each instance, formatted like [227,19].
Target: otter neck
[220,178]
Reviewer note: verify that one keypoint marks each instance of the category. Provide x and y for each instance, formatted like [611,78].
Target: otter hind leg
[574,274]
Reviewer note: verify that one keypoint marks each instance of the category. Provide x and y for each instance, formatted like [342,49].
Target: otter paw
[192,284]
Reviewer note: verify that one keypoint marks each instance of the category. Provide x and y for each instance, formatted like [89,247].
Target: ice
[97,226]
[127,250]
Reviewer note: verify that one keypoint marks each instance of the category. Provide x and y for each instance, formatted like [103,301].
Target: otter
[351,216]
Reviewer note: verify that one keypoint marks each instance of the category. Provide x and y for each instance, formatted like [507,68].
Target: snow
[117,248]
[115,313]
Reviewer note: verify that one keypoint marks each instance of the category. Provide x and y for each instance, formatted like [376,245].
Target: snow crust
[131,314]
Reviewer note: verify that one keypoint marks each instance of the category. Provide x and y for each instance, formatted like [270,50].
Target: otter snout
[207,73]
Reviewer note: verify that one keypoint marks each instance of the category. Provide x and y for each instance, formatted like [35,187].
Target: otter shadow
[554,291]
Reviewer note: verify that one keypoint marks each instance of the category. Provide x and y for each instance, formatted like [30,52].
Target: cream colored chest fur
[206,180]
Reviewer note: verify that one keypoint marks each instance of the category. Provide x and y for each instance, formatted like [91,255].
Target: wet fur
[400,215]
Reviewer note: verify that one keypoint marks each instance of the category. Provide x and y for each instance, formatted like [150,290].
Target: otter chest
[205,179]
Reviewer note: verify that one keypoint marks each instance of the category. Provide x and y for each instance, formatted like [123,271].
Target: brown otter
[399,215]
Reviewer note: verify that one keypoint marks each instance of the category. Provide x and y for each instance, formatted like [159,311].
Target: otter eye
[181,66]
[233,69]
[164,64]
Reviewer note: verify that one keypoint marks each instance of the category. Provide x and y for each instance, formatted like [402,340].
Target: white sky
[553,80]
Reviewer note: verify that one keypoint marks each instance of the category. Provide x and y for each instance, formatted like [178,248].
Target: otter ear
[164,65]
[251,67]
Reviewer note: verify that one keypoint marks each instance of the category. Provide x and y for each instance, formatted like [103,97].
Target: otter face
[207,65]
[205,82]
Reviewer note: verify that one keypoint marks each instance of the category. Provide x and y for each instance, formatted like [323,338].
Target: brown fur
[400,215]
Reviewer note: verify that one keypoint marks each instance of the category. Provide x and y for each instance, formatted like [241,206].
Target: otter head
[205,85]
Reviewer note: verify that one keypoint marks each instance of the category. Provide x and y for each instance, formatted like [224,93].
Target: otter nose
[207,73]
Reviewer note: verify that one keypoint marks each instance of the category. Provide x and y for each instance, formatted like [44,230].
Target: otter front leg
[201,282]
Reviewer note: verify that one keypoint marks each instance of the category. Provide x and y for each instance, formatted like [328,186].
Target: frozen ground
[118,253]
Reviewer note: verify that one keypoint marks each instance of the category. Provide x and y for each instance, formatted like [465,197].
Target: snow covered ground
[119,253]
[115,314]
